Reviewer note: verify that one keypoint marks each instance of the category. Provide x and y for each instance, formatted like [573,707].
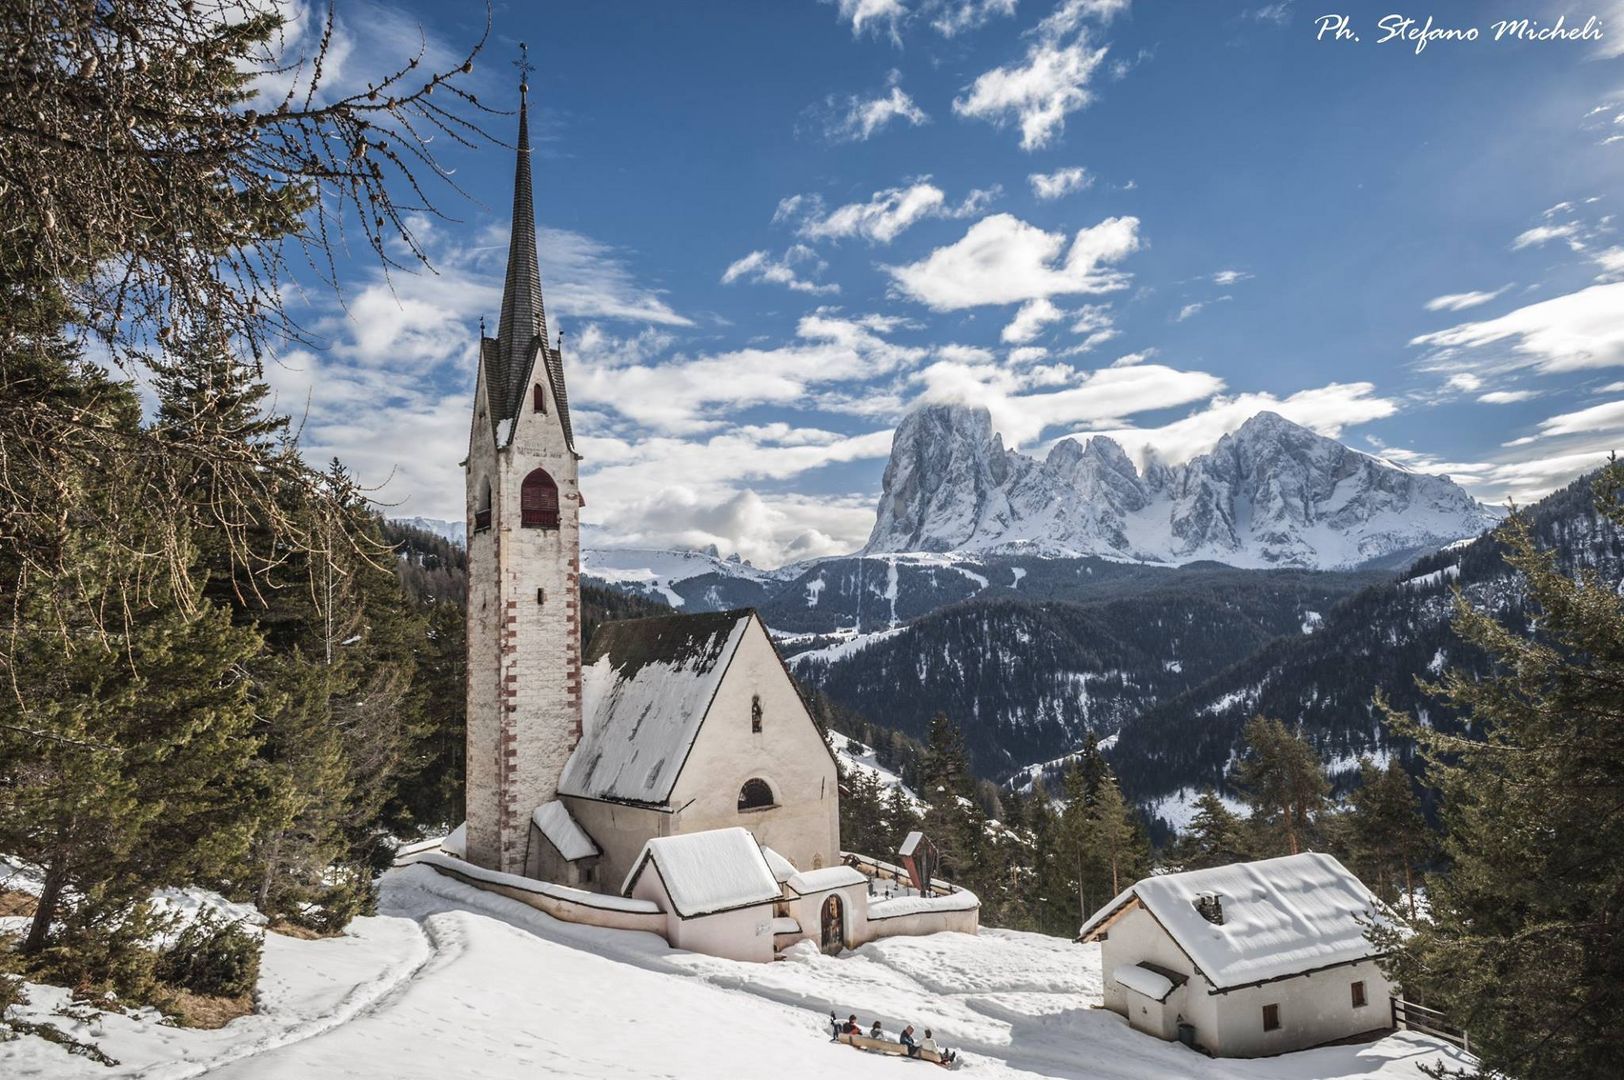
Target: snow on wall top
[563,831]
[1281,917]
[707,872]
[830,877]
[645,687]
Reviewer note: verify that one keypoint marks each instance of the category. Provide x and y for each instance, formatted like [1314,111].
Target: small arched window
[540,399]
[482,513]
[538,501]
[755,795]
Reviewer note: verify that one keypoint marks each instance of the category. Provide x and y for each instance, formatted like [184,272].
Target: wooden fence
[1413,1017]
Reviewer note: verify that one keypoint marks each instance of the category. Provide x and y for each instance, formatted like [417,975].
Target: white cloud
[875,15]
[1095,324]
[1462,301]
[1328,410]
[855,119]
[1027,354]
[1088,397]
[1507,397]
[1608,417]
[1030,319]
[1574,332]
[1040,92]
[1189,311]
[1278,13]
[953,17]
[1544,234]
[884,217]
[1464,381]
[1230,277]
[585,278]
[689,395]
[1611,261]
[1003,260]
[759,266]
[1133,358]
[1060,183]
[1070,15]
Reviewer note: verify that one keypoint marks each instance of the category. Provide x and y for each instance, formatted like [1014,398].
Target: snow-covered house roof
[708,872]
[1257,921]
[645,687]
[1147,981]
[564,832]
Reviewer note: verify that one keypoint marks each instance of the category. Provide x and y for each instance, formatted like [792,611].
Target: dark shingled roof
[521,334]
[646,686]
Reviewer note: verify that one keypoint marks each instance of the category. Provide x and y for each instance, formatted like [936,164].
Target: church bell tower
[523,504]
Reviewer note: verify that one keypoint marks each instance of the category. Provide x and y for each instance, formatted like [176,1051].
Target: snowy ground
[452,982]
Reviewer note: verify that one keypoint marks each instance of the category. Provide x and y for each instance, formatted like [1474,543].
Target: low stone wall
[559,901]
[914,916]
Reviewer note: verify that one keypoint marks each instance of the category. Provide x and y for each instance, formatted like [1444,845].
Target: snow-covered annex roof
[1281,917]
[564,832]
[830,877]
[645,687]
[707,872]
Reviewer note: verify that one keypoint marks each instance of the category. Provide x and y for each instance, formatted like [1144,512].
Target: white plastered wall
[788,753]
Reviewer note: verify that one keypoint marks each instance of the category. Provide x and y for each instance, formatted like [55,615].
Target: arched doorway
[834,924]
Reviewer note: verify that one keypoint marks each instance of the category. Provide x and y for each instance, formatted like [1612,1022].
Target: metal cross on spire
[525,67]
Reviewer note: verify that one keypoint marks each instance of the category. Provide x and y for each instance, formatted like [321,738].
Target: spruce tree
[1283,781]
[1216,836]
[1388,836]
[1521,943]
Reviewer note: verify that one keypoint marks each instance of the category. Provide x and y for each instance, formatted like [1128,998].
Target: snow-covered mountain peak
[1270,493]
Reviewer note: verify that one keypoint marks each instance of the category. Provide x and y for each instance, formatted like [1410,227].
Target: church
[671,778]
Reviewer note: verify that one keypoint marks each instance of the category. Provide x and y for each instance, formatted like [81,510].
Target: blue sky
[768,230]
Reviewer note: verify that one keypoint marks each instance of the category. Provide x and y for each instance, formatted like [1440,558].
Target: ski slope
[449,981]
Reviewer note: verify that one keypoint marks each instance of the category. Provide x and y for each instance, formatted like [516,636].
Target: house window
[538,501]
[1359,995]
[755,795]
[540,399]
[1271,1018]
[755,714]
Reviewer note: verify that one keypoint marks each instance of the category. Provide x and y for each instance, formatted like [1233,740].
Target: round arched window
[755,794]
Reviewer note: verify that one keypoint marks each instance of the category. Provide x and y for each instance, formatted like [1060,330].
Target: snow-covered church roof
[1269,919]
[645,687]
[707,872]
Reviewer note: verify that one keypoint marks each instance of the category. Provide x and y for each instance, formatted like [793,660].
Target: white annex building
[672,779]
[1250,959]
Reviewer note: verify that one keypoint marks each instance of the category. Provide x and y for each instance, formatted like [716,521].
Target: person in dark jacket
[908,1041]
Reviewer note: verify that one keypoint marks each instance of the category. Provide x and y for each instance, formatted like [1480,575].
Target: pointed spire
[523,318]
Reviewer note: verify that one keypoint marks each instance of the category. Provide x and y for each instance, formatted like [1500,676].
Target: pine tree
[1216,836]
[126,732]
[1283,781]
[1388,836]
[1522,945]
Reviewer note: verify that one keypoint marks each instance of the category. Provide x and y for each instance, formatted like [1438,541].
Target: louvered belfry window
[538,501]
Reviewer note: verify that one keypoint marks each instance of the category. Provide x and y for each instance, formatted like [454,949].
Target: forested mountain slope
[1380,639]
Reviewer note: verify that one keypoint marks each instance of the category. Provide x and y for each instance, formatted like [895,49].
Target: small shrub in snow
[99,947]
[213,956]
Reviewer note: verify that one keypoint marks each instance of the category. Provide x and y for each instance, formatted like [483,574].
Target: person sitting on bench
[876,1032]
[928,1043]
[908,1041]
[851,1026]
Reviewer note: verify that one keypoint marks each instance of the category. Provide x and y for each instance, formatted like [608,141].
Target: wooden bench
[896,1049]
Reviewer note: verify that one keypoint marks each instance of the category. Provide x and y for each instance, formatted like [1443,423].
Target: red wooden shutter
[538,501]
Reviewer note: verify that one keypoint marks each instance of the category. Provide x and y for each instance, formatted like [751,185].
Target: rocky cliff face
[1272,493]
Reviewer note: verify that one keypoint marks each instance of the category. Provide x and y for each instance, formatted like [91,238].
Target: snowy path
[454,982]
